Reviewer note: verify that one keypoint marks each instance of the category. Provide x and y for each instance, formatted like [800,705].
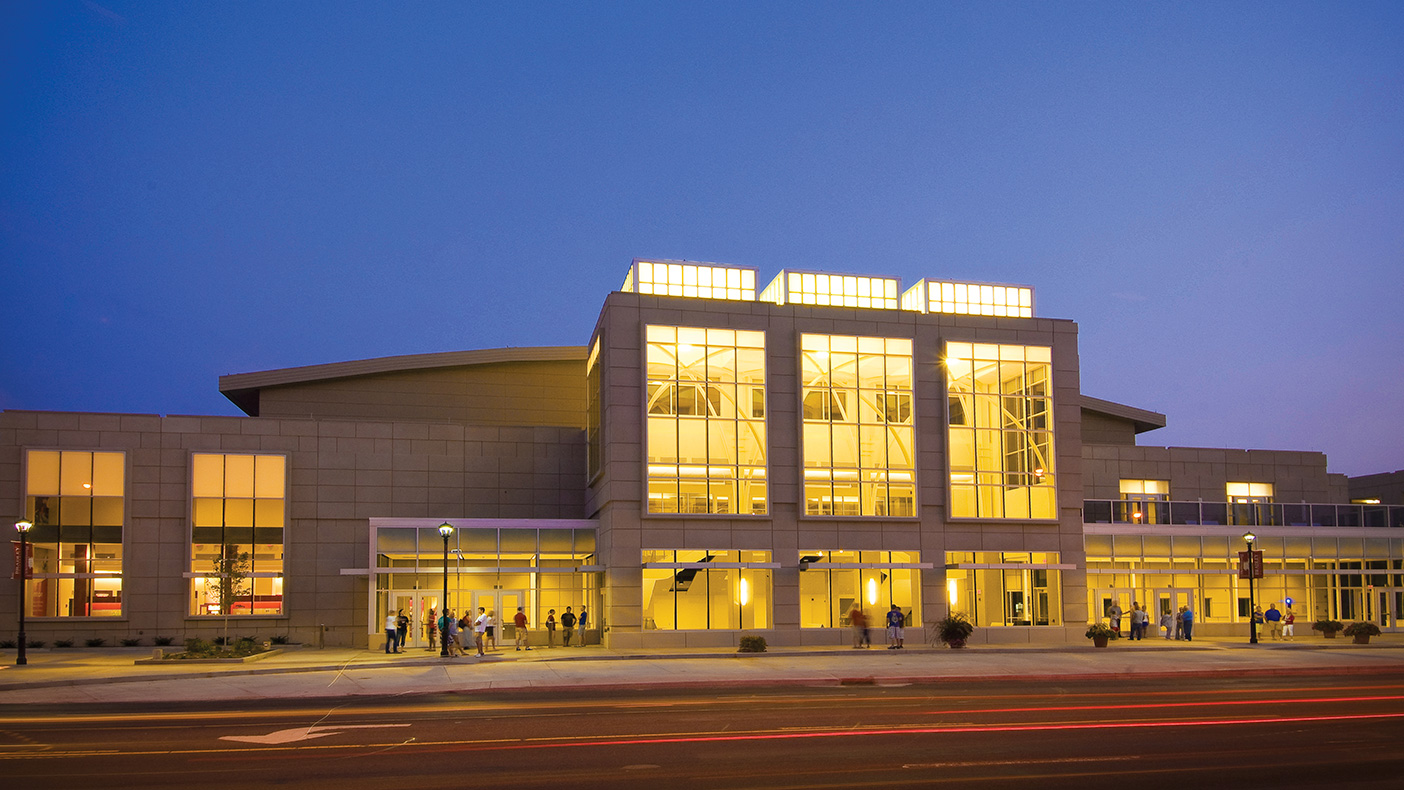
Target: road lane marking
[294,734]
[509,744]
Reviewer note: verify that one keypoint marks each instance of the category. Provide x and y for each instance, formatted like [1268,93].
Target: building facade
[717,460]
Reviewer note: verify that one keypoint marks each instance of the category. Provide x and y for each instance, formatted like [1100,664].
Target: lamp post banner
[1250,565]
[28,561]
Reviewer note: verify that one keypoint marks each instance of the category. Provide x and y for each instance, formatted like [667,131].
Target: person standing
[450,629]
[431,630]
[1288,620]
[1135,620]
[1180,624]
[490,635]
[1114,614]
[859,621]
[551,628]
[1189,624]
[392,631]
[1273,618]
[401,629]
[480,625]
[894,628]
[567,626]
[520,621]
[581,624]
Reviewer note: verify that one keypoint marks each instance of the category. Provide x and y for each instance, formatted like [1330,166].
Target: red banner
[1250,565]
[28,566]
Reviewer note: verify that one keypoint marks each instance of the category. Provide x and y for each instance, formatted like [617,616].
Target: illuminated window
[832,290]
[857,412]
[834,583]
[696,280]
[936,296]
[1000,413]
[592,392]
[706,421]
[1250,493]
[76,501]
[1005,588]
[706,590]
[1147,490]
[238,512]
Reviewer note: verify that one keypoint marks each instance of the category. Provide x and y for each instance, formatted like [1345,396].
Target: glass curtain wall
[409,561]
[238,512]
[858,426]
[705,599]
[1000,413]
[1009,593]
[827,595]
[76,501]
[706,421]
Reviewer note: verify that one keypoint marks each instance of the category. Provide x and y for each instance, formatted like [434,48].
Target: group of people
[1180,625]
[1281,626]
[859,621]
[483,627]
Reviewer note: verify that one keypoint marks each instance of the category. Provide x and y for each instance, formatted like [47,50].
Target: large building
[717,460]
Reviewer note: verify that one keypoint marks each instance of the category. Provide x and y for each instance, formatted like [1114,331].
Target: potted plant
[954,630]
[1328,628]
[1362,630]
[1100,634]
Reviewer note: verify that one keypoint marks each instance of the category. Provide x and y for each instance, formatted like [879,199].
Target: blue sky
[1215,192]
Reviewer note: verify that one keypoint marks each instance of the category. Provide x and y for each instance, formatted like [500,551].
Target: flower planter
[1099,641]
[1329,634]
[1362,639]
[956,643]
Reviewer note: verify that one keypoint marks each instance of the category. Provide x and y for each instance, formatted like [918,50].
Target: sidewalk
[108,675]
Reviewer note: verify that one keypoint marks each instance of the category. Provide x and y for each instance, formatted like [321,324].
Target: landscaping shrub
[95,641]
[163,641]
[131,642]
[63,643]
[752,644]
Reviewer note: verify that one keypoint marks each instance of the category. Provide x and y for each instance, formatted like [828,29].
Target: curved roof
[242,388]
[1142,419]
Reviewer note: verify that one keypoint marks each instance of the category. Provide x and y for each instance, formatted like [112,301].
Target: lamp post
[23,527]
[1248,538]
[445,529]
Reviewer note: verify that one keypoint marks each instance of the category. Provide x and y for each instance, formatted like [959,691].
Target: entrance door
[1168,601]
[407,602]
[1103,601]
[503,606]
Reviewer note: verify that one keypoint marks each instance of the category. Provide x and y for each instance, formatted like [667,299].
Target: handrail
[1274,514]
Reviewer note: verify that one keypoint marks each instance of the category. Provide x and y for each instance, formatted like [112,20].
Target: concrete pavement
[82,676]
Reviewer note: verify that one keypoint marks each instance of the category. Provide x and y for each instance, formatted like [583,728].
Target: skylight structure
[944,296]
[696,280]
[832,290]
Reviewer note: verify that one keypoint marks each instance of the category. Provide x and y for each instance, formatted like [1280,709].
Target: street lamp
[1248,538]
[23,528]
[445,529]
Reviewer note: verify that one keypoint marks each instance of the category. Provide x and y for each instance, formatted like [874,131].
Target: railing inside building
[1122,511]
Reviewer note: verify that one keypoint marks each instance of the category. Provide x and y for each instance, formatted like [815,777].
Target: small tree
[231,570]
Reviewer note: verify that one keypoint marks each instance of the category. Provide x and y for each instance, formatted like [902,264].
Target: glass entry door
[1168,601]
[1103,602]
[502,604]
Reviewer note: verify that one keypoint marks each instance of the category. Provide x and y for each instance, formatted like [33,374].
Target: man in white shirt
[480,628]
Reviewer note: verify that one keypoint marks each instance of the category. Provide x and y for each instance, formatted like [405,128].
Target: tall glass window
[76,501]
[706,421]
[1004,588]
[858,452]
[691,595]
[592,392]
[1000,413]
[828,595]
[238,512]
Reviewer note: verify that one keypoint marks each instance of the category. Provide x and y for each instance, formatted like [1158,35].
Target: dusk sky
[1214,192]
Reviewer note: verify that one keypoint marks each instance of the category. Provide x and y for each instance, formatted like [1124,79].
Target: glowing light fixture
[745,593]
[952,591]
[872,592]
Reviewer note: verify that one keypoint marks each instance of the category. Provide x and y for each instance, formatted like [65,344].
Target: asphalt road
[1259,732]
